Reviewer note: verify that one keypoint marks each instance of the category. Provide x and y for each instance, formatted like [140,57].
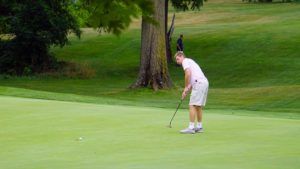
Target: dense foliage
[115,16]
[28,29]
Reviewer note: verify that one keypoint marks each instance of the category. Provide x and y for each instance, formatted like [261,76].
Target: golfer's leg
[199,128]
[199,113]
[192,113]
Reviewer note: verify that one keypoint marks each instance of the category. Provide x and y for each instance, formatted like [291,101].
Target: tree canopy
[115,16]
[33,26]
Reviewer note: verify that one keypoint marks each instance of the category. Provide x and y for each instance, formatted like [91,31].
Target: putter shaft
[170,125]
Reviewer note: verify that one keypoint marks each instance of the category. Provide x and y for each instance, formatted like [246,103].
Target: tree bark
[168,46]
[153,65]
[168,40]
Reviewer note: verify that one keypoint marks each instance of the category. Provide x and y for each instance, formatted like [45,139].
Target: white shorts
[199,94]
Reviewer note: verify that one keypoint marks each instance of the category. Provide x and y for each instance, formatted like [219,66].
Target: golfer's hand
[184,93]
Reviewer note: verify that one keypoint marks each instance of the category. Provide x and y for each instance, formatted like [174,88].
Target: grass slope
[44,134]
[288,109]
[249,53]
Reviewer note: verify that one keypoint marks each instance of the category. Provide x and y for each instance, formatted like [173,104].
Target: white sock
[199,125]
[191,125]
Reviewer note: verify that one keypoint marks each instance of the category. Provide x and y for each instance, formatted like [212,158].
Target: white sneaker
[199,130]
[187,131]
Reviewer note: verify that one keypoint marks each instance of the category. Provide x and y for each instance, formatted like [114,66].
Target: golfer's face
[179,60]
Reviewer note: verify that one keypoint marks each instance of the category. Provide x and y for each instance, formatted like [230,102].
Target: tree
[33,27]
[180,5]
[116,15]
[153,65]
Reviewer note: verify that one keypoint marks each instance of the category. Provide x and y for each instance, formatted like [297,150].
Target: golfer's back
[196,72]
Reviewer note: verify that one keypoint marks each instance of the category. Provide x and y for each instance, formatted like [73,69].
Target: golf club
[170,125]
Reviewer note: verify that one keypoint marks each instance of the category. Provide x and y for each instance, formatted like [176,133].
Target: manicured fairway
[43,134]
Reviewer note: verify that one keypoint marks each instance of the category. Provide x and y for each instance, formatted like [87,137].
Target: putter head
[169,126]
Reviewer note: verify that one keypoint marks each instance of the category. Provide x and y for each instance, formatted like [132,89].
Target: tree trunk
[153,66]
[168,46]
[169,39]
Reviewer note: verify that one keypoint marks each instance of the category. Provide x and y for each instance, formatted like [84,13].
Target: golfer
[196,82]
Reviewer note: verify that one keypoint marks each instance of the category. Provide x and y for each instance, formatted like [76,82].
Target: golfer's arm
[187,78]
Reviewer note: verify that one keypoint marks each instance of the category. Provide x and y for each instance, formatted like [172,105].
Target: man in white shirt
[195,81]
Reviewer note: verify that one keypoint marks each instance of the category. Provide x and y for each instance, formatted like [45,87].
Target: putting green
[45,134]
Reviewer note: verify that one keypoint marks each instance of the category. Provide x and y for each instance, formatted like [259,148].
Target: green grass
[44,134]
[249,53]
[286,106]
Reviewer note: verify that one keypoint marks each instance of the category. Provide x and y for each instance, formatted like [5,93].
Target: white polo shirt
[196,73]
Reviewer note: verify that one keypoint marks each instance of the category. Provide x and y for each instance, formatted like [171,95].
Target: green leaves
[116,15]
[35,26]
[45,18]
